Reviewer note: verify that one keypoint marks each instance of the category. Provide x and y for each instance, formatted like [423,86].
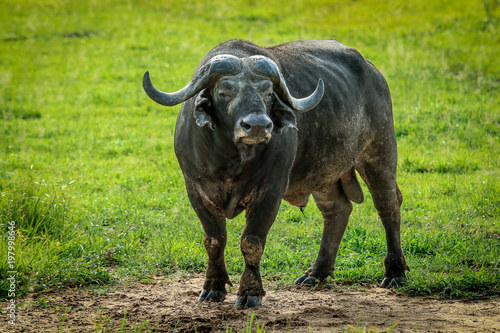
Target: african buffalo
[244,142]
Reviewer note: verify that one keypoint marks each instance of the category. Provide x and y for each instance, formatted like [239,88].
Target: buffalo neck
[221,157]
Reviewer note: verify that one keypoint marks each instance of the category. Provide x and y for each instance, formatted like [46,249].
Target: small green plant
[252,326]
[123,323]
[63,319]
[42,303]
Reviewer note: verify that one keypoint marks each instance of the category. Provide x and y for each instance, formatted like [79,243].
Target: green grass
[87,169]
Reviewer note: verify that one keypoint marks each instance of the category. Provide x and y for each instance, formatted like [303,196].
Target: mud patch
[170,304]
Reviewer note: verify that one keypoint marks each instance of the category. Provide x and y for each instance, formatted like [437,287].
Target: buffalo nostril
[269,126]
[245,126]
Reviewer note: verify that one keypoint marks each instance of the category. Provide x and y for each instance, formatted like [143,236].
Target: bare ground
[170,304]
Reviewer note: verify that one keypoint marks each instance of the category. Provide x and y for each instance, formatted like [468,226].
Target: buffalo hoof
[306,280]
[211,296]
[245,302]
[396,282]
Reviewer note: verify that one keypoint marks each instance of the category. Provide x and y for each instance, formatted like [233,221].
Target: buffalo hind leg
[380,178]
[336,209]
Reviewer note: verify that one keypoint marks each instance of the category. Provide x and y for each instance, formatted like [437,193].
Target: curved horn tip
[151,91]
[146,81]
[313,99]
[321,86]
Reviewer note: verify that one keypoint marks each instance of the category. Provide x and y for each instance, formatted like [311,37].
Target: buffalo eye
[223,95]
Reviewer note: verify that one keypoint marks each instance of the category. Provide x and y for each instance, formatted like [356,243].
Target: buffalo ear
[202,108]
[282,116]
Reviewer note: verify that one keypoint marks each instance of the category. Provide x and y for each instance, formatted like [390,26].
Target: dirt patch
[170,304]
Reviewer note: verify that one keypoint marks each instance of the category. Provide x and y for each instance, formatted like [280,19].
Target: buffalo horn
[217,66]
[265,66]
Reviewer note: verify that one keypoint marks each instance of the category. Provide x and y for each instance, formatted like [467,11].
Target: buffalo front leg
[214,288]
[253,242]
[336,209]
[216,277]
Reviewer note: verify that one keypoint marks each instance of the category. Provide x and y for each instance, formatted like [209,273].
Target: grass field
[88,175]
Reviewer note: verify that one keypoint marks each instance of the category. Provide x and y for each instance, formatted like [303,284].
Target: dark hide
[299,154]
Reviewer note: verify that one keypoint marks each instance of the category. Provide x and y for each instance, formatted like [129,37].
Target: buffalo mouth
[253,140]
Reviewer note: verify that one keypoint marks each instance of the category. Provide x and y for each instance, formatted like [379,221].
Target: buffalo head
[247,98]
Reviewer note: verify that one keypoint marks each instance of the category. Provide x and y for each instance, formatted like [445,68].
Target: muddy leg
[214,289]
[381,181]
[251,289]
[253,242]
[216,277]
[336,209]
